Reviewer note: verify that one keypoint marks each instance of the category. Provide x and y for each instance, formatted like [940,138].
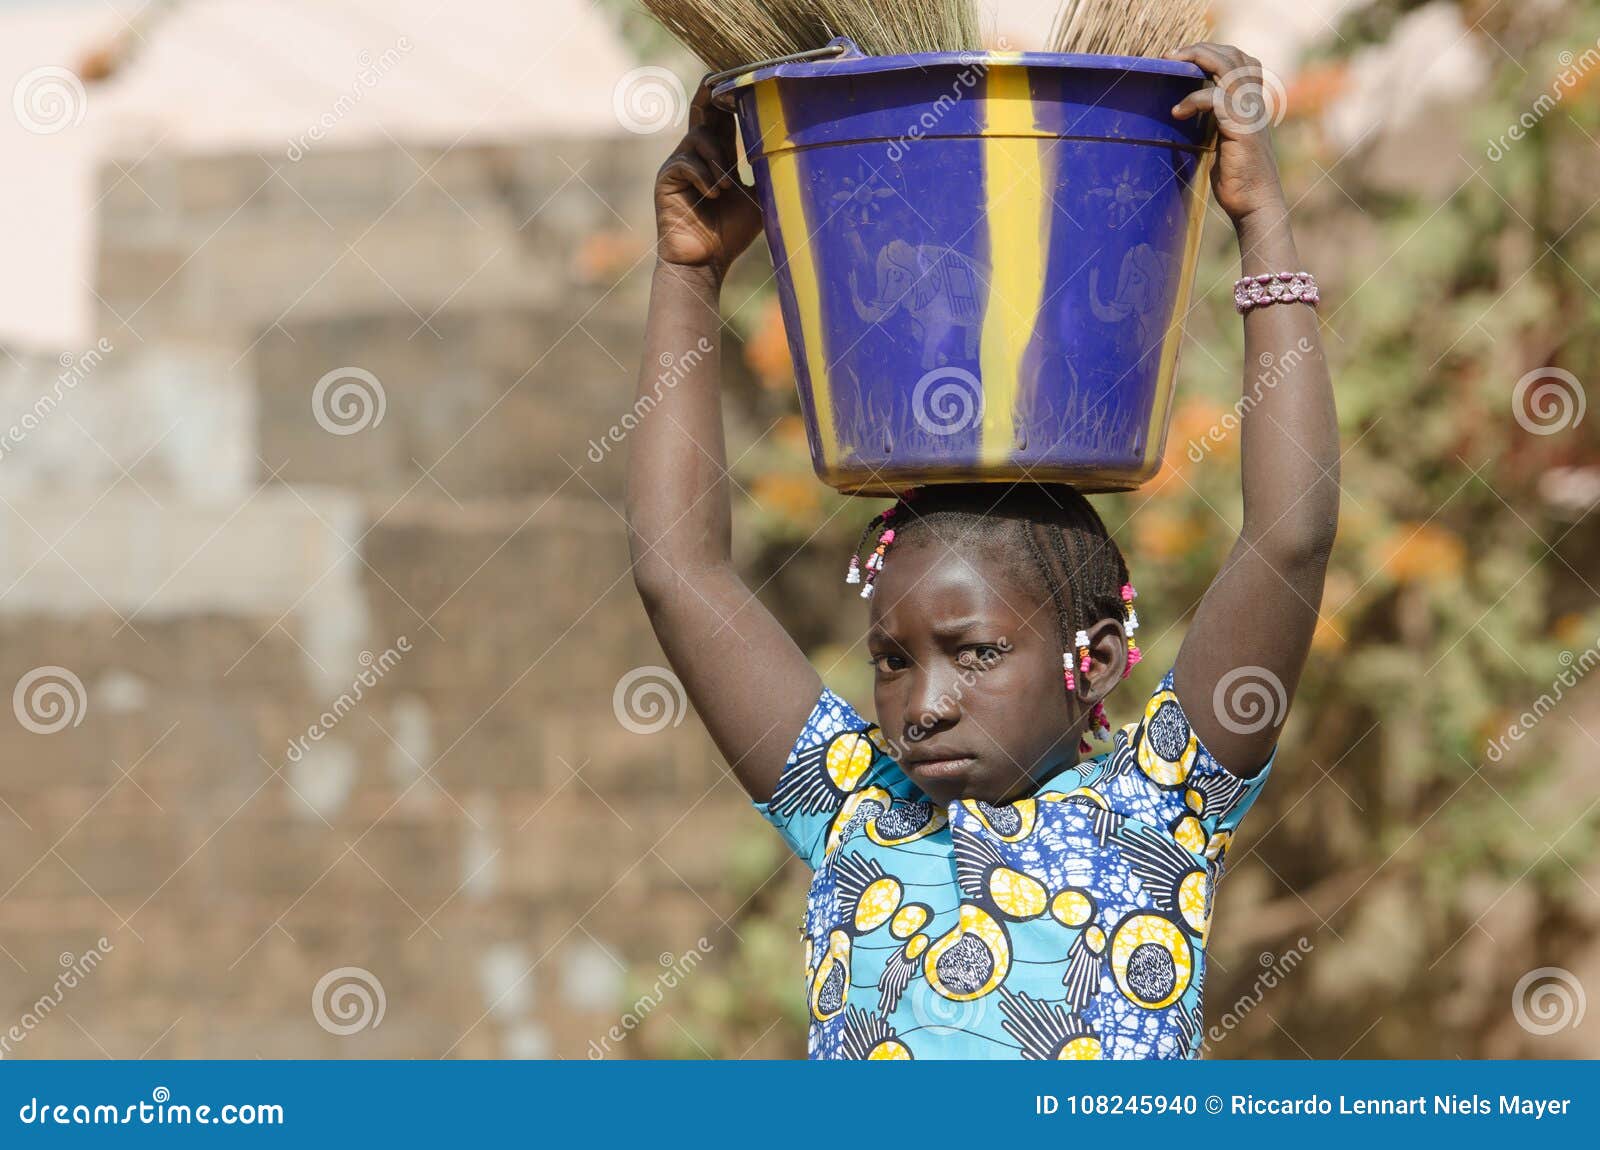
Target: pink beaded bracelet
[1275,287]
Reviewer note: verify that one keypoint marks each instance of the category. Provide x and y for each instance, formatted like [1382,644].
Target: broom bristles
[728,33]
[1129,27]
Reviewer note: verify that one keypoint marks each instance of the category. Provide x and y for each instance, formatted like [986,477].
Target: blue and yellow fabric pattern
[1069,924]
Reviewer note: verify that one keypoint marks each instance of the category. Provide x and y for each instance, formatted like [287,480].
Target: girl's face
[969,679]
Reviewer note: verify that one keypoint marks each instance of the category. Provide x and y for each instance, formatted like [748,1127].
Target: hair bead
[1102,724]
[1129,626]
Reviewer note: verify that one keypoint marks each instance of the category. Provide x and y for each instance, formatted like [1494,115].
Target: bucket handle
[838,46]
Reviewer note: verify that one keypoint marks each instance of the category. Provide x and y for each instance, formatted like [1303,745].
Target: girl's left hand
[1245,177]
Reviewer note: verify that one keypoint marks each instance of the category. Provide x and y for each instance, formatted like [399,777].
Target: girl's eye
[982,655]
[883,664]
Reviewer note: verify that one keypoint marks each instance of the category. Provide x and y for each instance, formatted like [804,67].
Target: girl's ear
[1108,657]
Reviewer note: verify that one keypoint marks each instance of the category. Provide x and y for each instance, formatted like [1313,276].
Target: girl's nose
[932,705]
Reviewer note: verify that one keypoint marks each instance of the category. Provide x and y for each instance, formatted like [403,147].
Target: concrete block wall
[194,569]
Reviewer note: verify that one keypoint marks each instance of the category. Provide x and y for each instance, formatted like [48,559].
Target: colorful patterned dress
[1071,924]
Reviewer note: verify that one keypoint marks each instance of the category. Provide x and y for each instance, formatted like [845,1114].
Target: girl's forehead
[931,579]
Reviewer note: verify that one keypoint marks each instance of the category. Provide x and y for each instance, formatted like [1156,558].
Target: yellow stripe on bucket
[783,170]
[1014,206]
[1173,339]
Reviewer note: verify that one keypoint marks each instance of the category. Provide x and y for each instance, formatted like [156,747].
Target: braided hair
[1048,536]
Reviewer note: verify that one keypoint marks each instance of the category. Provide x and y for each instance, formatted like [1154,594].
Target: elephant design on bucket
[1141,292]
[938,288]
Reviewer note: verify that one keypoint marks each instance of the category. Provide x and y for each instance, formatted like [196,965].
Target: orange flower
[1314,89]
[767,350]
[1414,553]
[603,257]
[791,433]
[1569,629]
[1162,535]
[1197,424]
[790,494]
[1329,635]
[1581,84]
[1165,487]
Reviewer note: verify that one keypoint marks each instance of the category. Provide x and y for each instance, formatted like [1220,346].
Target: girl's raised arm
[1253,629]
[750,683]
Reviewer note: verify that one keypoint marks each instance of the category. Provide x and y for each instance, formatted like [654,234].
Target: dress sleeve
[839,760]
[1161,771]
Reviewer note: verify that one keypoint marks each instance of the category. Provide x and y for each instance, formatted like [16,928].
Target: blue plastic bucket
[983,259]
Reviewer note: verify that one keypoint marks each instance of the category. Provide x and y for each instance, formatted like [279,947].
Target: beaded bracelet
[1275,287]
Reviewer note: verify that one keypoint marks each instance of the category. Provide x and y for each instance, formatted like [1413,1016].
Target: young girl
[979,891]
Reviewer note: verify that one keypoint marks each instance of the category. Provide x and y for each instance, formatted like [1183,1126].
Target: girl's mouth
[943,768]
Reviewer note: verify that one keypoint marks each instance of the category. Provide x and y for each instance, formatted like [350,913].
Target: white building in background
[241,75]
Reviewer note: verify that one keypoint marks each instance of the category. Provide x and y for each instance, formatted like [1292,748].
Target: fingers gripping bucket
[983,259]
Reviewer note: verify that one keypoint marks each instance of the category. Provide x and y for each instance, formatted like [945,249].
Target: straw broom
[729,33]
[1129,27]
[903,26]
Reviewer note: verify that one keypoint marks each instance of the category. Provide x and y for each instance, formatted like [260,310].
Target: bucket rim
[852,64]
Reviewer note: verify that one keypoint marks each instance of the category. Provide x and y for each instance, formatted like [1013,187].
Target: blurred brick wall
[214,566]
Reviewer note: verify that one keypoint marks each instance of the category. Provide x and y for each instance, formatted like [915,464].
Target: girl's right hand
[705,216]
